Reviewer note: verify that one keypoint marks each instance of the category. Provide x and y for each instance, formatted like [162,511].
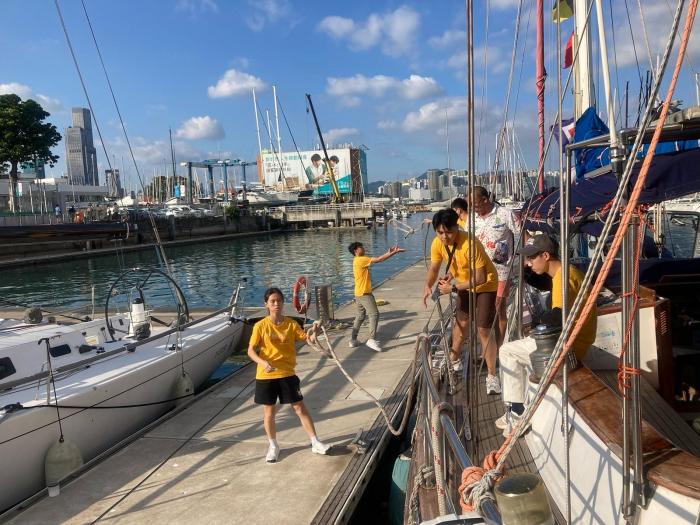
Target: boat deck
[206,464]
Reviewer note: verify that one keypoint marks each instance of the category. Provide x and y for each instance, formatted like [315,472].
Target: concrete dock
[207,463]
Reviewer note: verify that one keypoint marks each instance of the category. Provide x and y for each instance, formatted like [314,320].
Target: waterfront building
[42,195]
[81,155]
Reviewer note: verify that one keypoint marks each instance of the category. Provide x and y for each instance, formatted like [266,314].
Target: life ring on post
[296,301]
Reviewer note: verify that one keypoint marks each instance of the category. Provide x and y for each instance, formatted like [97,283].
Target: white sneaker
[318,447]
[353,343]
[457,365]
[508,426]
[502,422]
[374,345]
[272,453]
[493,385]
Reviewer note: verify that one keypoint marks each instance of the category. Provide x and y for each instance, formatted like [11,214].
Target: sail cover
[670,176]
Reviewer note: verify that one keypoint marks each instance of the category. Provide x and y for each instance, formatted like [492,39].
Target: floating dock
[206,463]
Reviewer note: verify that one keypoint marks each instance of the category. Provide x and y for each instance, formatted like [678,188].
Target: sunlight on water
[207,273]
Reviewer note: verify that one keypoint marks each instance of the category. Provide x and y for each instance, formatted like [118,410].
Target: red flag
[569,52]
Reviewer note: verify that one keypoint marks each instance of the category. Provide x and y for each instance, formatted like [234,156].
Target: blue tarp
[670,176]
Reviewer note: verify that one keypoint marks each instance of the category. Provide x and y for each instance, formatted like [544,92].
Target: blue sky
[381,73]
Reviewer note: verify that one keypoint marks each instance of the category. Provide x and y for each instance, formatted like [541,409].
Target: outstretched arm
[390,253]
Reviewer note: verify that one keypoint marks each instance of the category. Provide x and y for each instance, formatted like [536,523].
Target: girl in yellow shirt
[274,337]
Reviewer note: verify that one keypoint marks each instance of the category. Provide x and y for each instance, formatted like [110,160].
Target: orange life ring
[296,302]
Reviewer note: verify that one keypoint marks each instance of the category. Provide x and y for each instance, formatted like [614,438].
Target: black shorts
[287,389]
[485,303]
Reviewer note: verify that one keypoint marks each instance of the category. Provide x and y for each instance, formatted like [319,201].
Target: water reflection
[207,273]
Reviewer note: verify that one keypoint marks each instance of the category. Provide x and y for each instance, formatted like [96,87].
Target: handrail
[488,508]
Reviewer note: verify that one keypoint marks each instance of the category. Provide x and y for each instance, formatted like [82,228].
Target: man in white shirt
[497,230]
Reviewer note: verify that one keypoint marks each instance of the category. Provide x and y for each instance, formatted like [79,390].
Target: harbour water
[207,273]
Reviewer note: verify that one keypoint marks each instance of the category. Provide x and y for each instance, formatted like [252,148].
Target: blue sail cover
[589,126]
[670,176]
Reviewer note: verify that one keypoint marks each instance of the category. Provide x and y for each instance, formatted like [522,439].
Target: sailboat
[71,393]
[587,450]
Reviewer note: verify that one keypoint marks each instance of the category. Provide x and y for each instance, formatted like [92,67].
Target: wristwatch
[455,289]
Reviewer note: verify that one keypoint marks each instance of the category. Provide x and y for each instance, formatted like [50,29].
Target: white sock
[273,443]
[314,440]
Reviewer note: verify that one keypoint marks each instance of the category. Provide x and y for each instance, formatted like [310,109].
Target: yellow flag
[566,10]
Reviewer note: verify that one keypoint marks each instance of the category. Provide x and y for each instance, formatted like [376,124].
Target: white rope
[402,227]
[425,477]
[313,341]
[435,434]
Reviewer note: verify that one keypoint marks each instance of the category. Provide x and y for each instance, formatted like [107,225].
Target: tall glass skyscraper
[81,155]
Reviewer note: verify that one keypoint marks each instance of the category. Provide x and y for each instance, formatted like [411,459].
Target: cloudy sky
[381,73]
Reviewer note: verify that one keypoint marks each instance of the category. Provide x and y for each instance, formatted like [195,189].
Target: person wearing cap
[495,227]
[317,170]
[453,246]
[541,254]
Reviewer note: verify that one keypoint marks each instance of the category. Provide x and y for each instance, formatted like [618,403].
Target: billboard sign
[298,170]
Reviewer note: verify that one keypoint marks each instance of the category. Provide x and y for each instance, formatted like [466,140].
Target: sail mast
[582,77]
[257,124]
[539,83]
[277,121]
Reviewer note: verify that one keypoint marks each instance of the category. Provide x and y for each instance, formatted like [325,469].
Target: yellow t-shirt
[462,223]
[360,269]
[587,334]
[460,262]
[276,346]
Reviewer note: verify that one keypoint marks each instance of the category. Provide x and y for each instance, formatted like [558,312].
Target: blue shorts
[286,389]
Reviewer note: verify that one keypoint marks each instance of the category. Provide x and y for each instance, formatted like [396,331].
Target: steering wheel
[179,296]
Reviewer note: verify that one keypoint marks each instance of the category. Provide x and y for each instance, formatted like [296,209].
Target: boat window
[680,233]
[6,367]
[58,351]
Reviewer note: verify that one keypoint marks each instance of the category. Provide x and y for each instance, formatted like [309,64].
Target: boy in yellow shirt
[541,253]
[453,246]
[274,338]
[364,299]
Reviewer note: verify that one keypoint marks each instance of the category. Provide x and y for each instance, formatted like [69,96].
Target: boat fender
[296,302]
[33,315]
[62,458]
[184,387]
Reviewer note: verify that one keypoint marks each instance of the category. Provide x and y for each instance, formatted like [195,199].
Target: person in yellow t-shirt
[453,246]
[272,347]
[541,254]
[364,299]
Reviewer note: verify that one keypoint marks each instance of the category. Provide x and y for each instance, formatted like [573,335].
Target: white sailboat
[77,383]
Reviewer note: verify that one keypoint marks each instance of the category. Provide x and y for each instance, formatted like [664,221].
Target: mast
[277,121]
[447,142]
[539,84]
[172,157]
[257,124]
[582,74]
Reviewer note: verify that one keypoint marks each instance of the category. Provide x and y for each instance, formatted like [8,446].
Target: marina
[364,324]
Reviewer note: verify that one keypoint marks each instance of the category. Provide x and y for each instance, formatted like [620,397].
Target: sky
[388,75]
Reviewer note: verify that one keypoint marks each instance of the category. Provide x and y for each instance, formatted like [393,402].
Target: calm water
[207,273]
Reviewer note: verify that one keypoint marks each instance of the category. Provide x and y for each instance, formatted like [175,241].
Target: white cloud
[395,31]
[350,90]
[496,62]
[447,39]
[267,12]
[151,153]
[195,6]
[200,128]
[332,135]
[387,124]
[235,83]
[25,92]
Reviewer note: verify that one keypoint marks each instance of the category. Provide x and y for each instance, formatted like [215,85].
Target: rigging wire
[484,87]
[618,100]
[646,37]
[296,148]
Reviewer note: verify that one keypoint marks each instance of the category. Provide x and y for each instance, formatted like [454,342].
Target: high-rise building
[81,155]
[114,183]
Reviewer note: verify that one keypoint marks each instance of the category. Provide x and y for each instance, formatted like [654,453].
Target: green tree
[24,137]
